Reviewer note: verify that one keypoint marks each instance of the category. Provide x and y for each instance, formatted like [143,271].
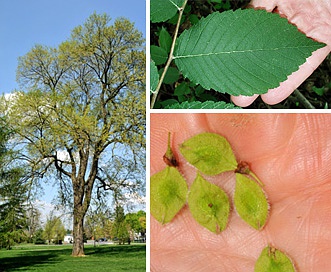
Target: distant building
[68,239]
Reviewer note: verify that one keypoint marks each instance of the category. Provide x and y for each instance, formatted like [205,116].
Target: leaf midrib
[240,51]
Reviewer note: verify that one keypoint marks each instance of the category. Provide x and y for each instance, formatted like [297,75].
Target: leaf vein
[238,51]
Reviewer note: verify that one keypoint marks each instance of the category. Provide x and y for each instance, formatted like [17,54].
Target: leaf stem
[171,56]
[303,100]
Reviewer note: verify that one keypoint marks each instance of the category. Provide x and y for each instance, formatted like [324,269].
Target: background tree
[97,223]
[54,230]
[142,221]
[38,238]
[48,233]
[137,223]
[33,222]
[59,231]
[13,194]
[120,227]
[84,104]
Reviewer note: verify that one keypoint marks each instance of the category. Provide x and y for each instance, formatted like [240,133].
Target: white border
[220,111]
[147,174]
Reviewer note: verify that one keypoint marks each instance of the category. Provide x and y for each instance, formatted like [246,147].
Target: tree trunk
[82,197]
[78,232]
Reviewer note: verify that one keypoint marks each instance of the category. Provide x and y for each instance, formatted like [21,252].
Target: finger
[313,18]
[280,93]
[242,100]
[267,5]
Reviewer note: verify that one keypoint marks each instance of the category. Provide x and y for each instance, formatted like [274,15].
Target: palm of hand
[290,154]
[313,17]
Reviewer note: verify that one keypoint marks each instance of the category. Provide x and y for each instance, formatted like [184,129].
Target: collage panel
[238,151]
[240,192]
[73,135]
[240,54]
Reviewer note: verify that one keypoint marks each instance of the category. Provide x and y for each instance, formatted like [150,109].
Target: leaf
[318,91]
[272,259]
[242,52]
[171,76]
[250,202]
[158,54]
[162,10]
[167,102]
[202,105]
[209,205]
[165,40]
[210,153]
[168,190]
[194,19]
[154,76]
[182,89]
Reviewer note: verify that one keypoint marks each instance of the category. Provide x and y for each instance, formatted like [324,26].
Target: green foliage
[159,55]
[165,40]
[13,194]
[54,230]
[162,10]
[154,76]
[115,226]
[202,105]
[39,237]
[137,221]
[120,228]
[241,52]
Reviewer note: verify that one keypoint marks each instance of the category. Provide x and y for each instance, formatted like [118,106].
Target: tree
[84,104]
[33,222]
[48,233]
[59,231]
[97,224]
[120,227]
[13,194]
[142,221]
[136,222]
[12,209]
[54,230]
[38,238]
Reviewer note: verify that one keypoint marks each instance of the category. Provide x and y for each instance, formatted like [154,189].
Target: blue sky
[24,23]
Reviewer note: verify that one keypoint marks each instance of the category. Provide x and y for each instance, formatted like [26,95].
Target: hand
[290,153]
[313,17]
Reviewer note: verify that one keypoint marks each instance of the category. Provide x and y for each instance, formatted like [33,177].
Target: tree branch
[171,55]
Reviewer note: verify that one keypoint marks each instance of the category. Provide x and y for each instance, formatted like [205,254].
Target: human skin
[290,153]
[313,17]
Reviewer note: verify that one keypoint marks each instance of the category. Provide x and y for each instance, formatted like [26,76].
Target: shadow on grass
[27,258]
[118,249]
[22,260]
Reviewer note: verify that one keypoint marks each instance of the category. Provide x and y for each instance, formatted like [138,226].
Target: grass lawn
[56,258]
